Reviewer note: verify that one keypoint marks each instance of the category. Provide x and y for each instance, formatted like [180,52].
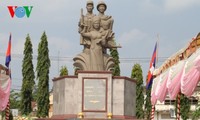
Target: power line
[70,59]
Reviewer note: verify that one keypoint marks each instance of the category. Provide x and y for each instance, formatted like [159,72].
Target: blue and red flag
[8,53]
[151,68]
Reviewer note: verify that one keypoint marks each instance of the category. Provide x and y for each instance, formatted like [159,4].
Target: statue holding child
[96,36]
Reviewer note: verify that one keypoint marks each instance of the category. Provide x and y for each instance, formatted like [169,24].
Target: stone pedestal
[94,94]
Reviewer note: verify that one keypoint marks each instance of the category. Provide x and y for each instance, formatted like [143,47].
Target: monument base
[74,117]
[94,95]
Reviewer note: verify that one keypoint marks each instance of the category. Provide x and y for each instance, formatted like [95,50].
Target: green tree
[35,92]
[148,104]
[14,103]
[27,78]
[63,71]
[196,113]
[114,53]
[10,116]
[185,107]
[76,71]
[137,75]
[2,115]
[15,99]
[176,105]
[42,69]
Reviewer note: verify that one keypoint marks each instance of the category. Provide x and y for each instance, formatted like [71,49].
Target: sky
[138,24]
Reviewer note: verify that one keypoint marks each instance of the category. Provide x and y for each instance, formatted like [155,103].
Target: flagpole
[178,106]
[158,39]
[7,63]
[8,110]
[152,112]
[153,106]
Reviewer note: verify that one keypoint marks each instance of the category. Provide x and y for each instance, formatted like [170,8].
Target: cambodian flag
[151,68]
[8,53]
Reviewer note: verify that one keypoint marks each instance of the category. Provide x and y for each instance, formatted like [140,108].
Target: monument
[94,93]
[96,36]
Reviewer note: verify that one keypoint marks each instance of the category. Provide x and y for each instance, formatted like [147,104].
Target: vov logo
[20,12]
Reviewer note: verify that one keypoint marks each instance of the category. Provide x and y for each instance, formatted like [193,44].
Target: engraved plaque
[94,96]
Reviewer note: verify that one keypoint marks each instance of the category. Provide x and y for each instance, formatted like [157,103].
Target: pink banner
[4,92]
[161,89]
[153,90]
[191,78]
[174,82]
[182,77]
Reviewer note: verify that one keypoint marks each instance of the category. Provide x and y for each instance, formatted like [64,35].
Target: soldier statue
[96,36]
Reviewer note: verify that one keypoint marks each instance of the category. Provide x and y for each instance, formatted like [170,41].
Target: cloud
[18,46]
[179,5]
[135,44]
[148,5]
[59,44]
[168,6]
[148,8]
[131,36]
[4,42]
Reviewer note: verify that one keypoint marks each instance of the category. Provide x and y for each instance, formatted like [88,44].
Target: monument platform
[94,95]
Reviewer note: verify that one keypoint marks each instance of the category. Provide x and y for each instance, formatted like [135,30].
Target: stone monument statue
[106,24]
[86,21]
[96,37]
[94,93]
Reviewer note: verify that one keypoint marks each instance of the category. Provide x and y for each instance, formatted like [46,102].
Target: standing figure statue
[106,25]
[86,23]
[96,36]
